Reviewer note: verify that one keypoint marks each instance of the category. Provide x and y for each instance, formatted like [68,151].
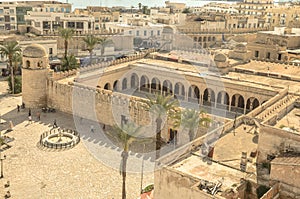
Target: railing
[72,134]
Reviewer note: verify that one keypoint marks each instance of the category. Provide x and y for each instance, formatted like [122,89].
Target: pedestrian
[92,129]
[7,195]
[18,107]
[23,105]
[54,124]
[38,116]
[29,119]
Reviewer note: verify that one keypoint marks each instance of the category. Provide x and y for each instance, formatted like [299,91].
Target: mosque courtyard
[36,172]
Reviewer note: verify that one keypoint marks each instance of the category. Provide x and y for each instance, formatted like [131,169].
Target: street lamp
[1,159]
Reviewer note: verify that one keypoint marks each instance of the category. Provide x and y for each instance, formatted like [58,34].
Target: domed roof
[34,51]
[220,57]
[240,48]
[168,30]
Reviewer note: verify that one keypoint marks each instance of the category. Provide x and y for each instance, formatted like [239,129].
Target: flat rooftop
[212,172]
[228,149]
[291,120]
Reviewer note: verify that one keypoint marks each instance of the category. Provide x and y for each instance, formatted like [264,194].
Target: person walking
[29,119]
[92,129]
[18,107]
[38,116]
[54,124]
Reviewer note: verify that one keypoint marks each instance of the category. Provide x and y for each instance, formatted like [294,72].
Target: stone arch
[155,85]
[237,103]
[179,90]
[124,84]
[252,103]
[107,86]
[167,87]
[144,83]
[194,92]
[223,99]
[134,80]
[208,96]
[116,85]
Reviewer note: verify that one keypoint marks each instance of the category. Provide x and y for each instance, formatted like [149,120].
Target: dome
[34,51]
[240,48]
[168,30]
[220,57]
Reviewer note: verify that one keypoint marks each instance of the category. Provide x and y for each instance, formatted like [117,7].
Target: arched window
[27,64]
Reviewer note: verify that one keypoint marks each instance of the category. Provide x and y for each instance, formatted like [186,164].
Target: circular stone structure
[59,138]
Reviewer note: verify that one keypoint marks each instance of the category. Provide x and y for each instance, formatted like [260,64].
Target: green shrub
[282,126]
[18,84]
[148,188]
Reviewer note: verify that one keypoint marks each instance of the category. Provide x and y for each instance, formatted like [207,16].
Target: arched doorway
[144,86]
[167,87]
[194,94]
[179,91]
[124,84]
[208,97]
[155,85]
[223,100]
[116,85]
[107,86]
[134,81]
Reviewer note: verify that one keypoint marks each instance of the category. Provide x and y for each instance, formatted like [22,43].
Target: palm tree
[17,61]
[90,41]
[104,41]
[9,49]
[191,119]
[160,106]
[126,134]
[66,34]
[69,63]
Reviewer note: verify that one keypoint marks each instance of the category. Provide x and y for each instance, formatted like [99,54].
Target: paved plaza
[35,172]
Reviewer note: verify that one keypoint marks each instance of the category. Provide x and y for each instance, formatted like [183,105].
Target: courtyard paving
[35,172]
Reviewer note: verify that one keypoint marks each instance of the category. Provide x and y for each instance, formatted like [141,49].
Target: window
[51,9]
[158,32]
[145,32]
[62,9]
[50,51]
[1,11]
[151,32]
[11,11]
[137,33]
[12,18]
[27,64]
[256,53]
[279,56]
[130,32]
[268,55]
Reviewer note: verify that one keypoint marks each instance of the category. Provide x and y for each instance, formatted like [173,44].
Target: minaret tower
[34,76]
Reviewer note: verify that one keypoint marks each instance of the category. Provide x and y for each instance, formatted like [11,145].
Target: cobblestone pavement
[38,173]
